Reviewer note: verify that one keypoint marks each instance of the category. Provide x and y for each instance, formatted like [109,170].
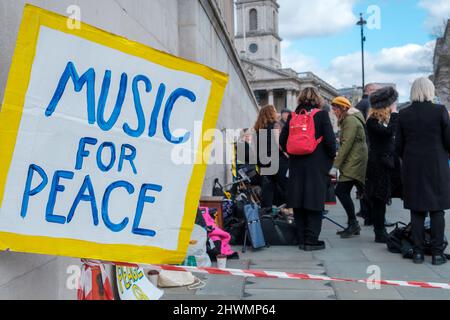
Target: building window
[253,48]
[253,20]
[276,49]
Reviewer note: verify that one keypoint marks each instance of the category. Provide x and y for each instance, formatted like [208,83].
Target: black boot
[381,236]
[319,245]
[353,230]
[418,258]
[439,259]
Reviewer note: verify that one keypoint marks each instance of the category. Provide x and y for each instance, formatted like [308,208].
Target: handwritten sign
[87,131]
[132,284]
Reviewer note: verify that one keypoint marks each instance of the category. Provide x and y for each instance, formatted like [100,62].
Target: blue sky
[321,36]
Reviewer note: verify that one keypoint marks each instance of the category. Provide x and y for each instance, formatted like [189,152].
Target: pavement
[344,258]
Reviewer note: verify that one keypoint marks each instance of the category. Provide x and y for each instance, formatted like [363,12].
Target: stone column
[294,100]
[289,100]
[271,98]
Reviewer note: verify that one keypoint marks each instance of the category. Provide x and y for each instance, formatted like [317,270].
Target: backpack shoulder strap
[315,111]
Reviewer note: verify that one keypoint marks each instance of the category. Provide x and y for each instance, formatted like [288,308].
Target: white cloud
[299,19]
[399,65]
[438,12]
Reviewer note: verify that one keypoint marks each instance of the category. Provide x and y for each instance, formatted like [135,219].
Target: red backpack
[302,133]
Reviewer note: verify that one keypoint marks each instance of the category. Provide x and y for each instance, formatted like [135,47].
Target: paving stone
[282,294]
[402,270]
[381,254]
[259,283]
[425,294]
[342,254]
[219,285]
[359,291]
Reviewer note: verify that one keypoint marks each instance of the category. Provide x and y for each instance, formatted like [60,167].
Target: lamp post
[361,23]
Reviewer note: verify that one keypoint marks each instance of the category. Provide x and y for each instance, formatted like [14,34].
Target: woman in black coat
[308,174]
[381,128]
[423,143]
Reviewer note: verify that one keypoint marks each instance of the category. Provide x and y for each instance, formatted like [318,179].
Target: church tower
[257,36]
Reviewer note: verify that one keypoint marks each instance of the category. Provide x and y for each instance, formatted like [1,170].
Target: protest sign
[87,129]
[132,284]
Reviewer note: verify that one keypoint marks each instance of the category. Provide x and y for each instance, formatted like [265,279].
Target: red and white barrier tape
[299,276]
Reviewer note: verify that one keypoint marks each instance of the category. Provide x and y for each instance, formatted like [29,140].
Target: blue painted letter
[55,188]
[102,123]
[180,92]
[155,113]
[90,197]
[129,157]
[100,164]
[87,78]
[143,198]
[28,192]
[138,106]
[83,153]
[105,202]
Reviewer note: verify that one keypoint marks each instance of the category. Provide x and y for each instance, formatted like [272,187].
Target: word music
[117,157]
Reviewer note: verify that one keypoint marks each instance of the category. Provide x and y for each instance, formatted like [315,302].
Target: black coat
[364,105]
[379,177]
[423,143]
[308,175]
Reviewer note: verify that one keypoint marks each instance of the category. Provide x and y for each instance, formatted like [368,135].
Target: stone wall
[442,67]
[192,29]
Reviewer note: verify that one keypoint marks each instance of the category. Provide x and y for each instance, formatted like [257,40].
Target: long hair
[266,115]
[382,115]
[310,97]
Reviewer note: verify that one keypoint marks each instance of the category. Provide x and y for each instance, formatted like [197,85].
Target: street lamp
[361,23]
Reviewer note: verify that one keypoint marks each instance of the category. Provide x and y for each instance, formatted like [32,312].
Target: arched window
[253,20]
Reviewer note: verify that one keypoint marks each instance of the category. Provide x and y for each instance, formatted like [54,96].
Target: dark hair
[383,98]
[310,97]
[285,111]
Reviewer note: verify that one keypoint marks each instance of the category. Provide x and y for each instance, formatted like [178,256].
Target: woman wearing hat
[381,128]
[351,159]
[423,143]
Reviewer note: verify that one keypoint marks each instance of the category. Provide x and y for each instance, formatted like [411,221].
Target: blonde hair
[382,115]
[422,90]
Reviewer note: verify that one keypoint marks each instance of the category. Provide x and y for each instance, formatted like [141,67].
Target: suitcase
[253,230]
[278,231]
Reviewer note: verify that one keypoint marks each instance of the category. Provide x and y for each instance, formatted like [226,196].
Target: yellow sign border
[11,114]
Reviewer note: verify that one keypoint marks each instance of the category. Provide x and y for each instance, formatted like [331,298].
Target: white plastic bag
[198,247]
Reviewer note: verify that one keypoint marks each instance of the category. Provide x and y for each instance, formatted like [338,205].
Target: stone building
[198,30]
[259,44]
[441,63]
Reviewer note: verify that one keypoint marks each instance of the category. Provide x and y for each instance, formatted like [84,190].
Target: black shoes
[439,260]
[319,245]
[353,230]
[381,236]
[418,258]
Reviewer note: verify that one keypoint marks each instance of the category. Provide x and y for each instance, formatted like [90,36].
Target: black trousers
[343,193]
[269,186]
[378,215]
[309,225]
[437,231]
